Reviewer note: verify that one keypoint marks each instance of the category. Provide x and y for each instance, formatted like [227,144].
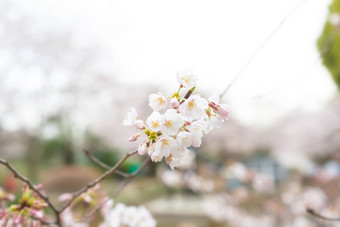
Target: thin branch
[261,47]
[317,215]
[31,186]
[103,165]
[115,193]
[96,181]
[42,221]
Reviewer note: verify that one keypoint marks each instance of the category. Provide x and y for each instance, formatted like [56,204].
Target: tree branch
[96,181]
[103,165]
[110,170]
[317,215]
[116,192]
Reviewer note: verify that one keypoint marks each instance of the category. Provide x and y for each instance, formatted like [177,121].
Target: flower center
[165,143]
[160,101]
[168,123]
[192,104]
[186,78]
[155,124]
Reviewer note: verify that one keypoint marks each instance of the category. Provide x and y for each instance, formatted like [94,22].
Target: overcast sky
[150,40]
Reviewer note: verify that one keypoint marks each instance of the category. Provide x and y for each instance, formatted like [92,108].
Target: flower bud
[142,148]
[223,110]
[2,214]
[150,150]
[37,213]
[174,102]
[133,138]
[65,197]
[139,124]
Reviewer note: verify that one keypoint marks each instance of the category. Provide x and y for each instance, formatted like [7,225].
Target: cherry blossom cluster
[128,216]
[177,121]
[29,209]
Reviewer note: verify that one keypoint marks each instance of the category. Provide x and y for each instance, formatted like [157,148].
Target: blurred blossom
[302,222]
[263,182]
[296,161]
[172,178]
[236,170]
[128,216]
[334,19]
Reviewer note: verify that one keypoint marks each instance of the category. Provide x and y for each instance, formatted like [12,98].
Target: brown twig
[317,215]
[96,181]
[31,186]
[103,165]
[116,192]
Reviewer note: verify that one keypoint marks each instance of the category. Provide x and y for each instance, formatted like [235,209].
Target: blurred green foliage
[329,44]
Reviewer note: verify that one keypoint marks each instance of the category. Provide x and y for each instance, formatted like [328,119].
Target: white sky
[150,40]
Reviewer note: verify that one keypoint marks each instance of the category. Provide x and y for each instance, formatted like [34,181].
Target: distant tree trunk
[32,157]
[68,154]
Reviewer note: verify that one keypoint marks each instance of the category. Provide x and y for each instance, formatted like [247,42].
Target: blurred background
[70,70]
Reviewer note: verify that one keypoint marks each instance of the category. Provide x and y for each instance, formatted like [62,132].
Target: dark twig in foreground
[317,215]
[116,192]
[103,165]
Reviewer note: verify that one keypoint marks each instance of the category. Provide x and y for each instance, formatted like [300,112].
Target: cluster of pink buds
[27,212]
[177,122]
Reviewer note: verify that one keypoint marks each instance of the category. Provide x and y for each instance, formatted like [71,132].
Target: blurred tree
[329,42]
[61,143]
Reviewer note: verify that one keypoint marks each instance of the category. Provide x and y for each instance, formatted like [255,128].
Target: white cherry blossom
[164,146]
[155,121]
[196,129]
[186,78]
[184,139]
[131,117]
[173,121]
[194,107]
[157,101]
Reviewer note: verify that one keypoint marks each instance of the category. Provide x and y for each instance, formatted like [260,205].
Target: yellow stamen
[155,124]
[160,101]
[192,104]
[168,123]
[186,78]
[165,143]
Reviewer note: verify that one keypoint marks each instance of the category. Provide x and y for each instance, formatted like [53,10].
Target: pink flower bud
[2,214]
[65,197]
[174,102]
[213,105]
[150,150]
[133,138]
[223,110]
[142,148]
[139,124]
[37,213]
[17,219]
[10,197]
